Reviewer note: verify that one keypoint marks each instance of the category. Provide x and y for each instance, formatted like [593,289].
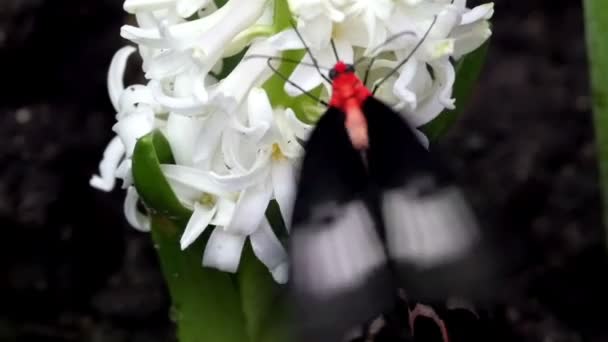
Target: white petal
[286,40]
[445,76]
[250,209]
[194,178]
[240,181]
[401,87]
[422,138]
[197,224]
[304,76]
[447,19]
[259,108]
[182,131]
[167,64]
[481,12]
[225,210]
[134,98]
[223,250]
[112,156]
[248,73]
[133,6]
[267,247]
[469,38]
[316,32]
[117,72]
[209,137]
[124,172]
[300,129]
[135,218]
[183,105]
[186,8]
[441,96]
[284,185]
[133,127]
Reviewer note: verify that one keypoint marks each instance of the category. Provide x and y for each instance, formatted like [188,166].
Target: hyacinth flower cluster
[236,128]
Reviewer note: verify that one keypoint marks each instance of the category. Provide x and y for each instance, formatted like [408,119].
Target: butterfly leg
[427,311]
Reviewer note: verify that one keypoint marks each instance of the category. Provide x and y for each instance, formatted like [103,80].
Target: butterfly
[375,211]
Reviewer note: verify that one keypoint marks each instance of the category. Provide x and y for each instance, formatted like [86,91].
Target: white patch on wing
[337,255]
[427,229]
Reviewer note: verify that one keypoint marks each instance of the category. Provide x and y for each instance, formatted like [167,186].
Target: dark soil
[72,269]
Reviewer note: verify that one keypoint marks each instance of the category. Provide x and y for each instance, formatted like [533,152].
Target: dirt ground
[72,269]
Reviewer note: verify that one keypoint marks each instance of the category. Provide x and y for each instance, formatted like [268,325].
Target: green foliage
[596,26]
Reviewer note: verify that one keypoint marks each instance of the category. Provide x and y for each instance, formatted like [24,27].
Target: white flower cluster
[235,151]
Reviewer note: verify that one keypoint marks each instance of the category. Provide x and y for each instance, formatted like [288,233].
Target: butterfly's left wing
[431,233]
[339,275]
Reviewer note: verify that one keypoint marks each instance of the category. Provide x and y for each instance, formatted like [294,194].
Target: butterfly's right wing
[339,278]
[432,234]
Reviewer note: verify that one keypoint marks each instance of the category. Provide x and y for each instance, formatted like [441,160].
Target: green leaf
[150,151]
[596,27]
[468,69]
[261,298]
[206,302]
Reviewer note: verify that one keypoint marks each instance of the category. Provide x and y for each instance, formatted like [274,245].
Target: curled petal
[112,156]
[116,74]
[200,219]
[223,250]
[250,209]
[267,247]
[135,218]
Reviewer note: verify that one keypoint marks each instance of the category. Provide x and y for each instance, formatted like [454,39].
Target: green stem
[596,25]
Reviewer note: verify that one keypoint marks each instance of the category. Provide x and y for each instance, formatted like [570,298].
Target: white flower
[422,87]
[234,149]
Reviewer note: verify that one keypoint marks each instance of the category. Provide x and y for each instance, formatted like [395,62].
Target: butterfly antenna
[286,79]
[375,51]
[312,58]
[406,59]
[283,59]
[333,47]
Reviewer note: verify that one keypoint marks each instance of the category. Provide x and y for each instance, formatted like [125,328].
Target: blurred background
[71,269]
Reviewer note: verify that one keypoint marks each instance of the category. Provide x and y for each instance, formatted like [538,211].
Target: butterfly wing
[431,233]
[339,277]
